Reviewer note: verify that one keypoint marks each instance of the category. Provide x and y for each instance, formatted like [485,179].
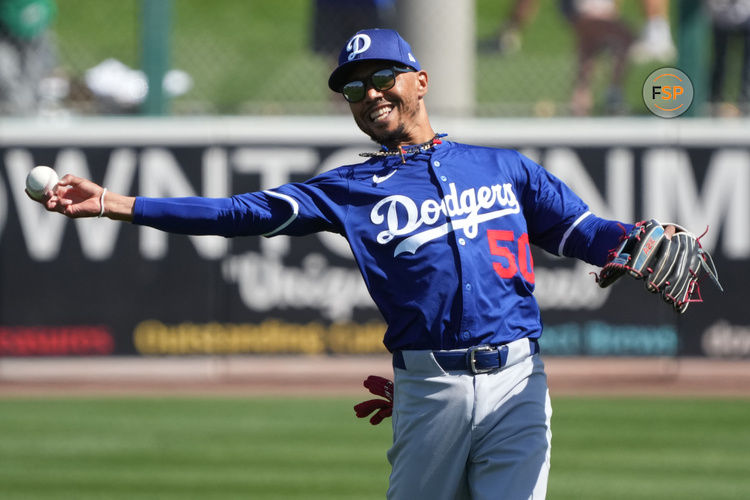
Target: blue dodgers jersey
[442,241]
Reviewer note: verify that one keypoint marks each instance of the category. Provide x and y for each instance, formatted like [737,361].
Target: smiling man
[441,232]
[385,94]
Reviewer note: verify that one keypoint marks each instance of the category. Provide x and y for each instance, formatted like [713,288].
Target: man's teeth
[380,112]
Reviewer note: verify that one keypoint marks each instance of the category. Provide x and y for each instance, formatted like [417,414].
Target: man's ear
[422,81]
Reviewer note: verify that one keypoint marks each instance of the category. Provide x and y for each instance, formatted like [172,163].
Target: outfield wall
[93,287]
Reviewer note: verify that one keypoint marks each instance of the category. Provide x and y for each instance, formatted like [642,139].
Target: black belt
[477,359]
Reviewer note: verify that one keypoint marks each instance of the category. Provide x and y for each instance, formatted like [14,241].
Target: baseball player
[441,232]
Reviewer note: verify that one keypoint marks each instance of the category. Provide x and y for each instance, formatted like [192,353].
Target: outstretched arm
[242,215]
[76,197]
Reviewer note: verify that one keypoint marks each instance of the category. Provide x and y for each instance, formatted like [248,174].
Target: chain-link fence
[273,57]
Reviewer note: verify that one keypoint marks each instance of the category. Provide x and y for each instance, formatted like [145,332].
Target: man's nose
[371,93]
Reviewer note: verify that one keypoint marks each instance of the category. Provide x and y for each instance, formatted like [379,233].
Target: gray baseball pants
[459,435]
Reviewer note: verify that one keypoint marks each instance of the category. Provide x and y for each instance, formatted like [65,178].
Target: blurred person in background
[730,18]
[27,54]
[507,39]
[599,28]
[655,42]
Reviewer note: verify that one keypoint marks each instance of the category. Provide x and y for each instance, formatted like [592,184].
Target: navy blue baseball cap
[372,44]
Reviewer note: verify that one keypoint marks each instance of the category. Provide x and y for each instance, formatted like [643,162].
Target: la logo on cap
[358,44]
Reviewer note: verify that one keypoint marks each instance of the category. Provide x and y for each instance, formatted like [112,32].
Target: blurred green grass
[182,448]
[273,448]
[650,448]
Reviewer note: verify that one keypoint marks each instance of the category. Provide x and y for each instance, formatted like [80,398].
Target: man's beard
[400,135]
[390,139]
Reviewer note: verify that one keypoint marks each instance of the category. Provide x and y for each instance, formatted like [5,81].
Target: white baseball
[39,180]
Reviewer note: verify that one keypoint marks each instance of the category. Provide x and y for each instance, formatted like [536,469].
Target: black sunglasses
[382,79]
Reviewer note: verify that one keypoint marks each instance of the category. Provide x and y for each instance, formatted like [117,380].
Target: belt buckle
[471,356]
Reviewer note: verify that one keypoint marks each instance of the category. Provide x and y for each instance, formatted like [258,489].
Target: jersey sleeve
[239,215]
[594,239]
[319,204]
[293,209]
[561,223]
